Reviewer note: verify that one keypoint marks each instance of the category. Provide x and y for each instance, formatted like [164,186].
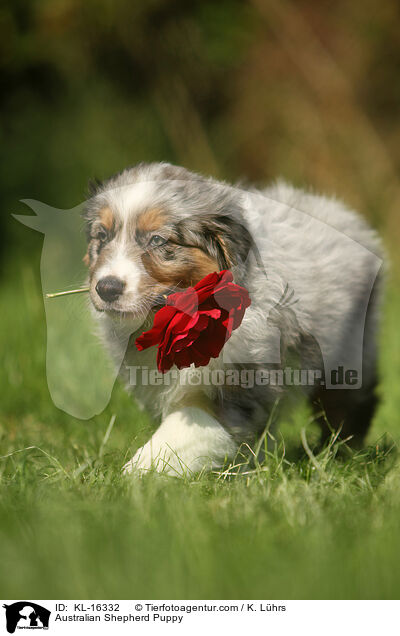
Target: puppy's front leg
[188,440]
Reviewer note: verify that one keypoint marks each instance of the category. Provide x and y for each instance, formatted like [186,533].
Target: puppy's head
[155,229]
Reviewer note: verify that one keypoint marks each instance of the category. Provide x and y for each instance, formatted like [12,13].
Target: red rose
[195,324]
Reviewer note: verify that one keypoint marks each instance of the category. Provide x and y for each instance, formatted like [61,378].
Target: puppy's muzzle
[110,288]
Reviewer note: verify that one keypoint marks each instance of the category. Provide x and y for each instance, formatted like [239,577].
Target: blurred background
[304,89]
[308,90]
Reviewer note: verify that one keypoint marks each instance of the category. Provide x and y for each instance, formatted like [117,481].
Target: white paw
[147,458]
[188,441]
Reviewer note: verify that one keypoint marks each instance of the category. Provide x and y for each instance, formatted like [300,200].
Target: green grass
[324,526]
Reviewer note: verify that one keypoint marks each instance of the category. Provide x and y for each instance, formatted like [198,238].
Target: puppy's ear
[93,186]
[89,213]
[231,239]
[225,238]
[228,240]
[225,258]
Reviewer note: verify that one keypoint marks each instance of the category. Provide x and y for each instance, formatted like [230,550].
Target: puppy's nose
[110,288]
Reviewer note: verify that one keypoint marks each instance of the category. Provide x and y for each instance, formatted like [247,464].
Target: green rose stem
[77,291]
[66,293]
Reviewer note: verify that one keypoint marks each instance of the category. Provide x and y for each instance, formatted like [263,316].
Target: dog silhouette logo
[26,615]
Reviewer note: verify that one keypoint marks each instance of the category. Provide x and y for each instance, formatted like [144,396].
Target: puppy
[312,270]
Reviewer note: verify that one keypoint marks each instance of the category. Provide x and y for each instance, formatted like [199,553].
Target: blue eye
[157,241]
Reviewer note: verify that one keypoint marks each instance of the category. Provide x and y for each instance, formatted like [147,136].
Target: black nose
[110,288]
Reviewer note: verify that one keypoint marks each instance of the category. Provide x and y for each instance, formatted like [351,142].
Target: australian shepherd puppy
[311,268]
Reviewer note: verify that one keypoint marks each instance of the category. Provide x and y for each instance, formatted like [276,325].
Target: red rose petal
[195,323]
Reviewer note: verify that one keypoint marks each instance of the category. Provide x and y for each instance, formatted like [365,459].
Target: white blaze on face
[125,268]
[130,199]
[126,202]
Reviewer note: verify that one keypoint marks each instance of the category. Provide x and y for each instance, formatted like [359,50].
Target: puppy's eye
[101,234]
[157,241]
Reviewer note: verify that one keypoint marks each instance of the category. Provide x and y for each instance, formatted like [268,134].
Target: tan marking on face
[185,271]
[86,259]
[151,220]
[98,261]
[107,218]
[204,264]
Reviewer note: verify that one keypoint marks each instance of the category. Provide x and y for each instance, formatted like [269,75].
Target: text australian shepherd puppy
[311,268]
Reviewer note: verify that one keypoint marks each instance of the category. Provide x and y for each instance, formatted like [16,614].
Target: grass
[298,526]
